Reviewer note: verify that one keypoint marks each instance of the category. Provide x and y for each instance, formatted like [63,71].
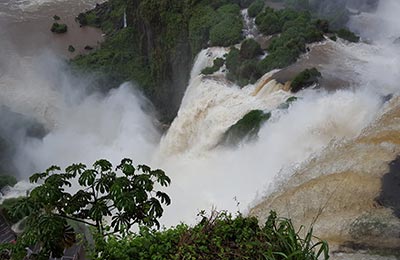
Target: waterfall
[250,28]
[125,23]
[206,175]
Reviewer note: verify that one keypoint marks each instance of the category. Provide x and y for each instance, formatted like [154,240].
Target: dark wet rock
[390,194]
[71,48]
[88,48]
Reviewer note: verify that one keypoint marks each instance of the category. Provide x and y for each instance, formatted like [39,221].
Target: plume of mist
[83,126]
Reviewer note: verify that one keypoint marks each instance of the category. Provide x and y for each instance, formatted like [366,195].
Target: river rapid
[80,127]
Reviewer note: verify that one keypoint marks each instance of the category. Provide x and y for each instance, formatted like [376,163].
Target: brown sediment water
[323,56]
[27,28]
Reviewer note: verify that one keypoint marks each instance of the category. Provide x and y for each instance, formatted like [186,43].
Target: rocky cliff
[350,192]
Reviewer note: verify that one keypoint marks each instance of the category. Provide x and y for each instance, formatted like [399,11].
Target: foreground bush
[6,210]
[219,236]
[127,194]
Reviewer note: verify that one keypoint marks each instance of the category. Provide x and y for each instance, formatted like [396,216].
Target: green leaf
[163,197]
[87,177]
[36,177]
[103,165]
[75,169]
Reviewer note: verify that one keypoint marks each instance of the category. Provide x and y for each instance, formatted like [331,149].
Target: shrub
[268,22]
[71,48]
[322,25]
[347,35]
[304,79]
[246,129]
[128,194]
[250,49]
[6,209]
[279,58]
[218,62]
[220,236]
[229,30]
[56,17]
[203,18]
[6,180]
[256,7]
[297,29]
[233,60]
[59,28]
[248,72]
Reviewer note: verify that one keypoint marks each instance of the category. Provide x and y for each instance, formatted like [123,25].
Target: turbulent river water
[35,82]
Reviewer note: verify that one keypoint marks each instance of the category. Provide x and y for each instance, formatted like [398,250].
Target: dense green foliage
[256,7]
[107,16]
[242,64]
[158,47]
[217,64]
[59,28]
[119,59]
[347,35]
[219,236]
[287,103]
[246,129]
[228,29]
[250,49]
[296,30]
[7,180]
[6,209]
[334,11]
[304,79]
[130,195]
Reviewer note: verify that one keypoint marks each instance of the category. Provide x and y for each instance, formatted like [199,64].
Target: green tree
[126,194]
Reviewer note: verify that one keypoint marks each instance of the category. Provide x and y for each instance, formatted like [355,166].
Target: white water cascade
[203,175]
[125,23]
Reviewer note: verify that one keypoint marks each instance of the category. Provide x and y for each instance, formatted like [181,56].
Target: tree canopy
[126,195]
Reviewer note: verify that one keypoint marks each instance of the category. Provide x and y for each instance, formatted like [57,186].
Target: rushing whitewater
[349,191]
[84,126]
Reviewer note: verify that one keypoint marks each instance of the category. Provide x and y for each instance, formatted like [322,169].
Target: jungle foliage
[127,195]
[220,236]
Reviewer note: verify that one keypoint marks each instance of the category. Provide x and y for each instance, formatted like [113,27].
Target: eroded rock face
[350,192]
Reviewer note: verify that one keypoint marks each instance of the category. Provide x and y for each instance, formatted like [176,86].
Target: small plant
[228,30]
[6,209]
[220,236]
[56,18]
[304,79]
[217,64]
[256,7]
[250,49]
[71,48]
[347,35]
[246,129]
[59,28]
